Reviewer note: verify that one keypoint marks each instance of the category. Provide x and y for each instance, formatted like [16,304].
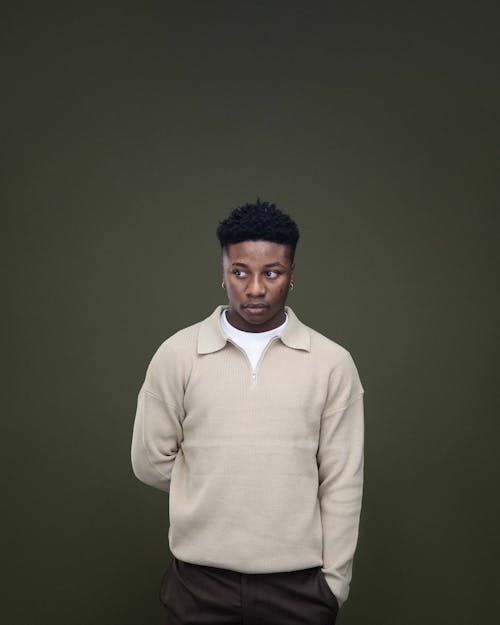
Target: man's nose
[256,287]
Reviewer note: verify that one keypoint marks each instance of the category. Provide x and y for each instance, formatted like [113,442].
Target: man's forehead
[257,251]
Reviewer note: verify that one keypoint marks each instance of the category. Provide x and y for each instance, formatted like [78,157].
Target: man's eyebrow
[267,265]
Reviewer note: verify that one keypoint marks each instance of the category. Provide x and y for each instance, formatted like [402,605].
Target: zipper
[253,371]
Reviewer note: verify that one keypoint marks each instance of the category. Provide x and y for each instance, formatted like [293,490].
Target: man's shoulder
[183,340]
[338,361]
[326,349]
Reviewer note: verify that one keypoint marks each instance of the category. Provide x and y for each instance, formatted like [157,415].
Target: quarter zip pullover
[265,477]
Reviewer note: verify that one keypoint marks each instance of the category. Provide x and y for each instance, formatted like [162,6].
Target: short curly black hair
[261,221]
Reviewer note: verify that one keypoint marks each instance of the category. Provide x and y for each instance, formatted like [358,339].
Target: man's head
[258,244]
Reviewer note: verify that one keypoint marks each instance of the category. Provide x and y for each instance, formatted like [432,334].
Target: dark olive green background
[129,130]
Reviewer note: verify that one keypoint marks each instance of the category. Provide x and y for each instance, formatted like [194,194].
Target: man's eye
[239,273]
[272,274]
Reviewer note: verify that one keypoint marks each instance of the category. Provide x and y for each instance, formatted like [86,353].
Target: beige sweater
[265,471]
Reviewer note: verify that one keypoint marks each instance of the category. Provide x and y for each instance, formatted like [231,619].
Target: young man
[254,424]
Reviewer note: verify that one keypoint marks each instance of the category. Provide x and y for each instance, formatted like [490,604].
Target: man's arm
[158,421]
[155,441]
[340,468]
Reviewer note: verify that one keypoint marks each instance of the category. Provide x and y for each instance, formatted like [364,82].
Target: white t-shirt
[253,343]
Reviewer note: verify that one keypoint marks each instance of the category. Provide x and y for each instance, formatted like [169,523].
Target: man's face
[257,275]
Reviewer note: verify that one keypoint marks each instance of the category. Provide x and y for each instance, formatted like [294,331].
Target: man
[254,424]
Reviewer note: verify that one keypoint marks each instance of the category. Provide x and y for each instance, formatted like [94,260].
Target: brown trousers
[203,595]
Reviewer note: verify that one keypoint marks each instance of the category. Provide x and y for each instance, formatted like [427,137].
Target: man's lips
[255,306]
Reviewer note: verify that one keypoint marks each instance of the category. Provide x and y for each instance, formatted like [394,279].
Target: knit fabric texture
[264,468]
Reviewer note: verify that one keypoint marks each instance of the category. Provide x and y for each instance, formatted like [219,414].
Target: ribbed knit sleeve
[340,470]
[157,431]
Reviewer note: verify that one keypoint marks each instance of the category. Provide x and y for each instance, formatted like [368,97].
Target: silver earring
[223,285]
[291,286]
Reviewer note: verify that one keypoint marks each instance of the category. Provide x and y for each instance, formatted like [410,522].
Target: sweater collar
[212,339]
